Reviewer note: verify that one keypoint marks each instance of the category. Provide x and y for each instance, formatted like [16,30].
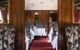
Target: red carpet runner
[41,44]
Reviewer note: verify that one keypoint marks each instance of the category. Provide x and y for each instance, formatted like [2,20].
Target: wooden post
[65,17]
[16,13]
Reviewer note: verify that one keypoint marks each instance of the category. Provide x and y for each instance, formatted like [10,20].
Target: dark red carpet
[41,44]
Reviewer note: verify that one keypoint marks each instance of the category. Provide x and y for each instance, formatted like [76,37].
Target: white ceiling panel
[41,4]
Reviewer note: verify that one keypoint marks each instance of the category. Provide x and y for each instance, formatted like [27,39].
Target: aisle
[41,44]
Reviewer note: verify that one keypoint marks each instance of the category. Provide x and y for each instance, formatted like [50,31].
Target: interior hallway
[12,15]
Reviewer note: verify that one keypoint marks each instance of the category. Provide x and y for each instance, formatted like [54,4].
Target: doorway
[41,23]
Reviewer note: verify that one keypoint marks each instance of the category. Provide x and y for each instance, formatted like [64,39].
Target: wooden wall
[43,15]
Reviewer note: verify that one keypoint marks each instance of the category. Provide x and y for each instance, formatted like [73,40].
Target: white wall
[41,4]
